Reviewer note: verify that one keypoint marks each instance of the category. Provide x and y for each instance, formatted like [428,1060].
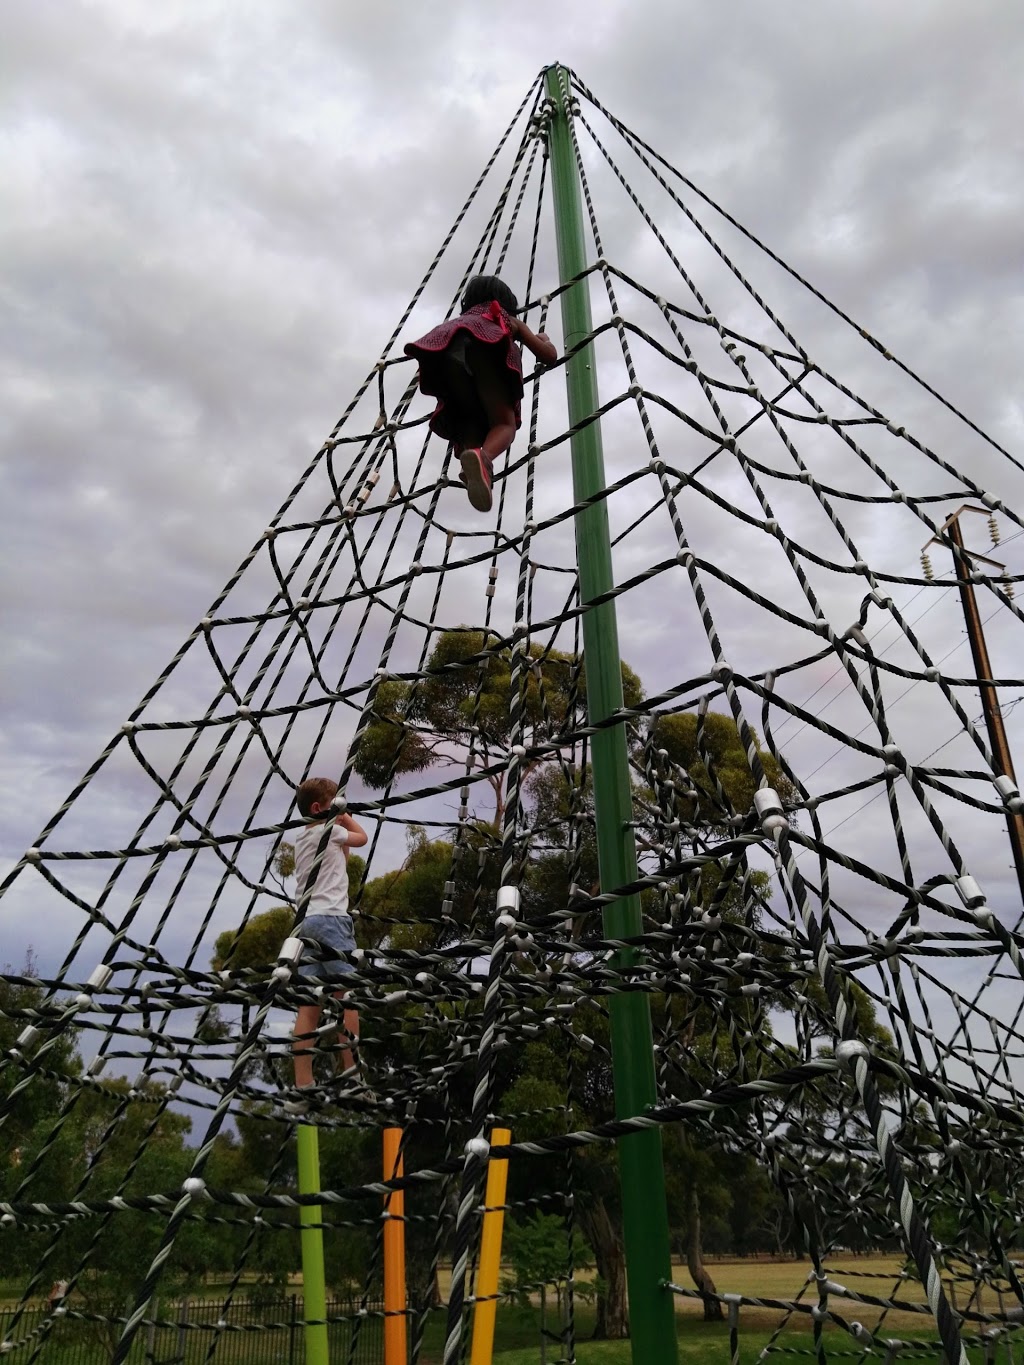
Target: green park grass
[877,1276]
[712,1348]
[518,1337]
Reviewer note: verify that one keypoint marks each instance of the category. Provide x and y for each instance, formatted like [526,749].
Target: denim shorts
[334,934]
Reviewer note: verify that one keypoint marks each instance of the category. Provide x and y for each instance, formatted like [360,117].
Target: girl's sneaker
[476,471]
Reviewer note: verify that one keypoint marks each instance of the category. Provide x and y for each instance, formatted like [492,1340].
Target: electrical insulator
[993,529]
[1008,586]
[926,566]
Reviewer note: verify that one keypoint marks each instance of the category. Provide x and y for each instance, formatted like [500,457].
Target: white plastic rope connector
[969,892]
[508,900]
[508,909]
[98,981]
[769,811]
[100,977]
[288,958]
[1009,792]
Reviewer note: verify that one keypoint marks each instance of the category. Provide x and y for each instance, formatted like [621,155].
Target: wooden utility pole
[1001,757]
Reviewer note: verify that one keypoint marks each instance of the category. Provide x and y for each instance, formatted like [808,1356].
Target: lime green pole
[314,1285]
[641,1169]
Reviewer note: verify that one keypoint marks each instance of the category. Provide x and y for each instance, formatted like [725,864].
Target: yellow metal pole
[485,1310]
[311,1217]
[395,1349]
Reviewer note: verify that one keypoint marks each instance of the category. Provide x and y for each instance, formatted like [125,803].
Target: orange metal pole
[395,1347]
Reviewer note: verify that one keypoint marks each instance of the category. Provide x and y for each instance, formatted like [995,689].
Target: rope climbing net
[831,942]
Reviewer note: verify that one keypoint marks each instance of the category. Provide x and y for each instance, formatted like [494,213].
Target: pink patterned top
[487,323]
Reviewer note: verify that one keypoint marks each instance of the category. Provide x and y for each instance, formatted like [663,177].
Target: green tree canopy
[710,747]
[35,1104]
[467,696]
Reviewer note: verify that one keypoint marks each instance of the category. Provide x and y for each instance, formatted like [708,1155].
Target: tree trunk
[695,1264]
[498,787]
[543,1324]
[606,1243]
[773,1226]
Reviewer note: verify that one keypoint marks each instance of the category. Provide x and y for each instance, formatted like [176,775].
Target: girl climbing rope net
[473,366]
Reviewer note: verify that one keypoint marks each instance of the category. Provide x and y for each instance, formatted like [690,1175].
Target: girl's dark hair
[484,288]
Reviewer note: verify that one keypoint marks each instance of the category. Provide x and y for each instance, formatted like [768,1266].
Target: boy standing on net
[327,921]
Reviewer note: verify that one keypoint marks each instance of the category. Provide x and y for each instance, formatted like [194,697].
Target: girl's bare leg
[501,415]
[501,434]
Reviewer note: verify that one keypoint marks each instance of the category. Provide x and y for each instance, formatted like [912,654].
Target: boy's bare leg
[350,1037]
[303,1041]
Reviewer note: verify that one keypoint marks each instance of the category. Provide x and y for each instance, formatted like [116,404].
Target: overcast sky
[213,220]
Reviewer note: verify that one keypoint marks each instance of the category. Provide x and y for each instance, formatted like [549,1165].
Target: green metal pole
[314,1284]
[641,1169]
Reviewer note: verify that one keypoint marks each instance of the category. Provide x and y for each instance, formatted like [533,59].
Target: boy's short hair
[320,790]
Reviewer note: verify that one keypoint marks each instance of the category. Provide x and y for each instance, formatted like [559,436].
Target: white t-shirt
[330,894]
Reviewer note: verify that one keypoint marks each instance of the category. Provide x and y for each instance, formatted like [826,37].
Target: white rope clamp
[508,899]
[1010,793]
[98,981]
[769,810]
[969,892]
[288,958]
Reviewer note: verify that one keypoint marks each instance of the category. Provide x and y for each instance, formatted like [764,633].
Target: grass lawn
[517,1340]
[707,1347]
[878,1276]
[875,1276]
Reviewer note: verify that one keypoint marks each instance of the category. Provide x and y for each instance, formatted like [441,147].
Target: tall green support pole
[314,1283]
[645,1215]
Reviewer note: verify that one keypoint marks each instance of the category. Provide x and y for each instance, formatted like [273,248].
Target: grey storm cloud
[212,225]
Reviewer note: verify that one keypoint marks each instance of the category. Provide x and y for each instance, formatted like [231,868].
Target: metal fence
[191,1333]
